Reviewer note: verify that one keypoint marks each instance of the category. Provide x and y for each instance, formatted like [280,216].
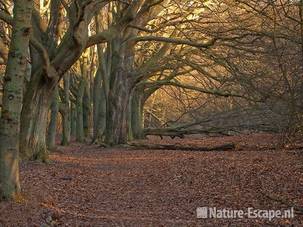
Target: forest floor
[86,185]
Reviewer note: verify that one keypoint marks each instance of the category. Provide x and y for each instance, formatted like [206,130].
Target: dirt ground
[86,185]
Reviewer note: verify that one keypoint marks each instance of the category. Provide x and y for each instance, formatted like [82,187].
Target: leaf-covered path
[91,186]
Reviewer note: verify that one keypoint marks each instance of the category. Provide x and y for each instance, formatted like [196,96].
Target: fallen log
[223,147]
[173,133]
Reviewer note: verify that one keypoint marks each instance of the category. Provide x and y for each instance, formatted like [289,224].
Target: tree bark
[96,104]
[99,107]
[86,93]
[79,112]
[73,116]
[116,131]
[65,113]
[12,100]
[224,147]
[86,110]
[52,127]
[119,91]
[34,121]
[136,115]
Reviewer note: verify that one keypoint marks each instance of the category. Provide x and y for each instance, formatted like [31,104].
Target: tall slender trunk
[99,106]
[96,103]
[79,112]
[101,124]
[66,112]
[73,116]
[86,109]
[52,127]
[85,70]
[12,100]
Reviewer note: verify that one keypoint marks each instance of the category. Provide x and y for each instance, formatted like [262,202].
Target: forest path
[91,186]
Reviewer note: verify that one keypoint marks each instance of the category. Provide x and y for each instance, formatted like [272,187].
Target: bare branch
[101,37]
[6,17]
[206,44]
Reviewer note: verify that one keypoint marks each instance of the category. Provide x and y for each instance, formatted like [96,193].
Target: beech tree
[98,70]
[119,72]
[97,63]
[12,98]
[51,58]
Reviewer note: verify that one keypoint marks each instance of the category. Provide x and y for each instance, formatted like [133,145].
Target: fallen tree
[176,132]
[225,123]
[223,147]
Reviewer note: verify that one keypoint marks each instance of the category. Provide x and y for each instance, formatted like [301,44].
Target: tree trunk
[99,107]
[34,122]
[96,103]
[37,143]
[52,127]
[116,131]
[73,125]
[223,147]
[119,90]
[86,109]
[79,112]
[136,115]
[12,100]
[65,113]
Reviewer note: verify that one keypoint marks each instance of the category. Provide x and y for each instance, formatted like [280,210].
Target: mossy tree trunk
[34,121]
[120,85]
[50,63]
[66,112]
[116,131]
[84,85]
[12,100]
[86,109]
[123,76]
[73,116]
[100,92]
[99,106]
[136,114]
[79,111]
[52,127]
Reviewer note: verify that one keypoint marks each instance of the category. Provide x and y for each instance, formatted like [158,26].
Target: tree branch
[194,88]
[41,50]
[6,17]
[177,41]
[49,69]
[101,37]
